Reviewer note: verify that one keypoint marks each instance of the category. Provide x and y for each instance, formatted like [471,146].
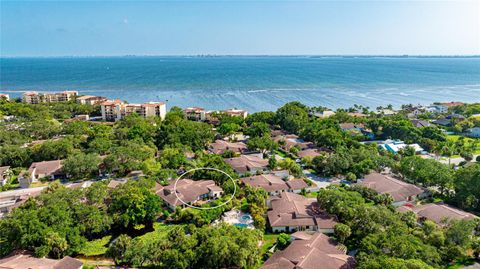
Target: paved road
[456,161]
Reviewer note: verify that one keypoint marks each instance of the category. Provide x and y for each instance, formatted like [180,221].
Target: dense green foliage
[222,246]
[60,220]
[384,236]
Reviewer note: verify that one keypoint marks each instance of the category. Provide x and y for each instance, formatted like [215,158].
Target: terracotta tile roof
[220,146]
[297,184]
[268,182]
[68,263]
[399,190]
[112,102]
[439,212]
[48,168]
[311,152]
[187,190]
[153,104]
[193,109]
[309,253]
[295,210]
[246,163]
[25,260]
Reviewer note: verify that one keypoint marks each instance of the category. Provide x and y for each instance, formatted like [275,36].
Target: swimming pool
[245,218]
[241,225]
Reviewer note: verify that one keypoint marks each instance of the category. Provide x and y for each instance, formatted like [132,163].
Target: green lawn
[312,194]
[467,140]
[281,154]
[96,247]
[161,231]
[268,242]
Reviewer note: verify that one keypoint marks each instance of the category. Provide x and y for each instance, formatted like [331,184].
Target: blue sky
[42,28]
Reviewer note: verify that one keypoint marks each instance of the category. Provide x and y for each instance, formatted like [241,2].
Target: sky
[107,28]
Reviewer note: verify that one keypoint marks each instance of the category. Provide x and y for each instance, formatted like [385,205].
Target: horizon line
[249,55]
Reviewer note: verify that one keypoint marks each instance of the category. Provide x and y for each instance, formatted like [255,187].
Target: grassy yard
[161,231]
[268,242]
[312,194]
[96,247]
[467,140]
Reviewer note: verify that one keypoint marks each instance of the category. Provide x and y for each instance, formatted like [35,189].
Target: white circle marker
[204,168]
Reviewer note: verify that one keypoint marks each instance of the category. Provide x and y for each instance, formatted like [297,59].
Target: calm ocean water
[253,83]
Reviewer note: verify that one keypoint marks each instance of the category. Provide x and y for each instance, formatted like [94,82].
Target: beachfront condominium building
[90,100]
[194,113]
[36,98]
[113,110]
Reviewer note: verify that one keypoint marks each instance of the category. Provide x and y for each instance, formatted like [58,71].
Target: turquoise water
[253,83]
[241,225]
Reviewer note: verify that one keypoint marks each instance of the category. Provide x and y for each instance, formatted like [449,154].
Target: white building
[4,96]
[113,110]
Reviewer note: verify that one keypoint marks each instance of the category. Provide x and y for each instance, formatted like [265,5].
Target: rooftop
[399,190]
[438,212]
[296,210]
[246,163]
[308,252]
[187,190]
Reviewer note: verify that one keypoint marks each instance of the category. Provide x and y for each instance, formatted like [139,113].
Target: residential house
[323,114]
[292,212]
[47,169]
[437,108]
[14,198]
[221,146]
[5,174]
[357,129]
[474,132]
[26,260]
[395,146]
[289,141]
[311,152]
[274,184]
[387,112]
[310,251]
[356,114]
[401,192]
[90,100]
[420,123]
[443,122]
[115,183]
[188,191]
[244,164]
[195,113]
[439,213]
[4,96]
